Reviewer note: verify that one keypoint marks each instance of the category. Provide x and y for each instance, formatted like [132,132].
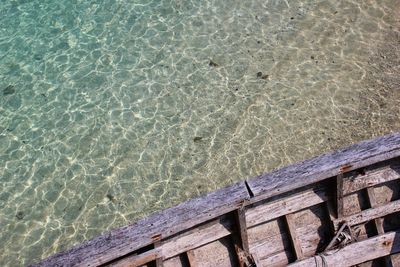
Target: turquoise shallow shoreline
[112,110]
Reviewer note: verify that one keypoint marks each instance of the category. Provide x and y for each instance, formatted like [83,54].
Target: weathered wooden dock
[339,209]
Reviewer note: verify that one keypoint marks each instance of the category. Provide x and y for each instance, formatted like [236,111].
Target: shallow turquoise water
[110,110]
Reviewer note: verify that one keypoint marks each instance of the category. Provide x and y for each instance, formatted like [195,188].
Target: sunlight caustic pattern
[111,110]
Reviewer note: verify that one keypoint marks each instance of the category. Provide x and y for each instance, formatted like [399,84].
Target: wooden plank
[177,261]
[372,201]
[278,259]
[241,227]
[370,214]
[378,222]
[356,253]
[328,165]
[137,260]
[218,253]
[293,203]
[159,261]
[372,177]
[197,237]
[339,195]
[191,258]
[354,203]
[313,229]
[269,238]
[124,240]
[291,225]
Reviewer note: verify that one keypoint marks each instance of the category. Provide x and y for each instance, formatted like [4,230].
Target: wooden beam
[378,222]
[339,195]
[372,201]
[191,258]
[277,208]
[332,215]
[197,237]
[159,261]
[240,218]
[325,166]
[138,260]
[371,177]
[370,214]
[291,225]
[356,253]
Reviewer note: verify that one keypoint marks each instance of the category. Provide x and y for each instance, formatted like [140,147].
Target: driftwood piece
[328,165]
[356,253]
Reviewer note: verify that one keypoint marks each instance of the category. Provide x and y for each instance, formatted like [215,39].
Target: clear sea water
[111,110]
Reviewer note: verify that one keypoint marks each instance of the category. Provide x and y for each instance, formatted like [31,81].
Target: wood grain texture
[241,228]
[277,208]
[122,241]
[372,201]
[378,222]
[138,260]
[197,237]
[356,253]
[370,214]
[291,225]
[327,165]
[370,178]
[339,195]
[191,258]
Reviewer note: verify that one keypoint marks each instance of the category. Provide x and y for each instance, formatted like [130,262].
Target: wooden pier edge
[125,240]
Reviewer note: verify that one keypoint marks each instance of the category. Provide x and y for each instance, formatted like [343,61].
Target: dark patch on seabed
[9,90]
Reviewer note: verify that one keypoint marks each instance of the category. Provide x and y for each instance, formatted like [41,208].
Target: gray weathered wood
[191,258]
[138,260]
[328,165]
[378,222]
[372,200]
[159,260]
[339,195]
[290,221]
[356,253]
[241,227]
[197,237]
[122,241]
[370,214]
[277,208]
[371,177]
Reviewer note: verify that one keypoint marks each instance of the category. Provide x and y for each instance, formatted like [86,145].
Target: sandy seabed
[112,110]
